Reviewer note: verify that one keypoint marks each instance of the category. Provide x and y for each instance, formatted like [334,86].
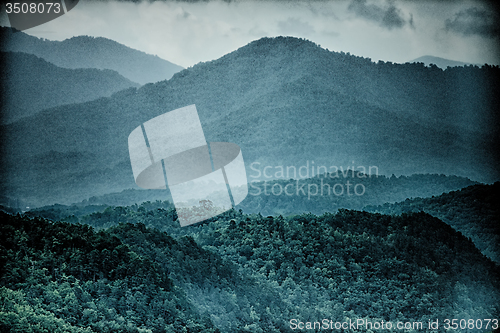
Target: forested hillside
[373,186]
[474,211]
[285,101]
[269,197]
[237,272]
[59,277]
[471,210]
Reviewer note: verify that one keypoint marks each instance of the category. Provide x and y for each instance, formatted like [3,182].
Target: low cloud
[474,21]
[295,26]
[387,16]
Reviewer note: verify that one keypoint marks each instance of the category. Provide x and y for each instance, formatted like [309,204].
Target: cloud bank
[388,15]
[474,21]
[186,33]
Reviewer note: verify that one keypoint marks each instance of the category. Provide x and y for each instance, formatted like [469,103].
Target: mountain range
[263,197]
[468,207]
[91,52]
[285,101]
[423,249]
[31,84]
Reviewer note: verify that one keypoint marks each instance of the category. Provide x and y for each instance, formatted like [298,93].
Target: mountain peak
[91,52]
[288,41]
[274,45]
[442,63]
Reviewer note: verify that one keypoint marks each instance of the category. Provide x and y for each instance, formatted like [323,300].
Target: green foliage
[238,272]
[473,211]
[411,267]
[18,315]
[78,280]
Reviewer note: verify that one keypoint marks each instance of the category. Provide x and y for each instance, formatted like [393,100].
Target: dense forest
[134,269]
[59,277]
[473,211]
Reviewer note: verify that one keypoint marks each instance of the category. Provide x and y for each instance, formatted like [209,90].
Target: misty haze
[371,185]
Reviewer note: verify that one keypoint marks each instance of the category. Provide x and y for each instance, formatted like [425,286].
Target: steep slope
[362,265]
[90,52]
[473,211]
[31,84]
[285,101]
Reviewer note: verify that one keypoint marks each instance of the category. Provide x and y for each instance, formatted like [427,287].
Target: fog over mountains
[91,52]
[94,253]
[284,101]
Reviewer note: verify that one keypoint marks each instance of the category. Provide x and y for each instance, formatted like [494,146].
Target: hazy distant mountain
[262,198]
[440,62]
[265,197]
[31,84]
[473,211]
[90,52]
[285,101]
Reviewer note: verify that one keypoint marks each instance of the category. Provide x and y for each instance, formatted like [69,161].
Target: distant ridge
[440,62]
[30,84]
[91,52]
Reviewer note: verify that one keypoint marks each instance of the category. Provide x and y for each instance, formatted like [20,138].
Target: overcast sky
[186,33]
